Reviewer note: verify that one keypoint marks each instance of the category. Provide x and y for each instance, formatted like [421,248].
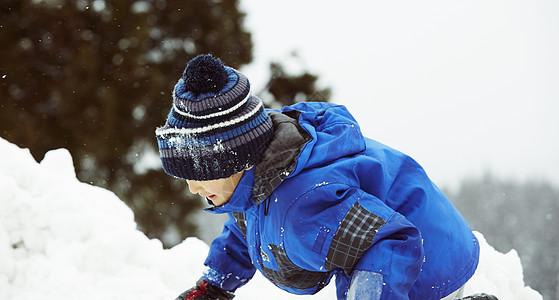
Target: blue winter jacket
[327,201]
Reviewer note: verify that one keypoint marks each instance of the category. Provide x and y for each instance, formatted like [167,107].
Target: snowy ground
[63,239]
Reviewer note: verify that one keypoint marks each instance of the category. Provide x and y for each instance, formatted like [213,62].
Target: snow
[64,239]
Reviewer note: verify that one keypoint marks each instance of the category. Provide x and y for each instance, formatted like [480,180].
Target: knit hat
[216,128]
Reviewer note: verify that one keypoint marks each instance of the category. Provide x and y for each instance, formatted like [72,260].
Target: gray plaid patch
[290,275]
[241,221]
[354,236]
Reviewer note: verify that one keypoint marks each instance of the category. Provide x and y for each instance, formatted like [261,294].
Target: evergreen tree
[95,77]
[288,89]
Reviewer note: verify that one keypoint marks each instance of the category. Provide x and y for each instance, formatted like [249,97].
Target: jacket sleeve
[228,263]
[394,261]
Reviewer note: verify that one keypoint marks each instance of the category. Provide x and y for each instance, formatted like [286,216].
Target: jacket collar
[280,158]
[241,198]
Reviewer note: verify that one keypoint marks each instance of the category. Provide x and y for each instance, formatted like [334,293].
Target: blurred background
[467,89]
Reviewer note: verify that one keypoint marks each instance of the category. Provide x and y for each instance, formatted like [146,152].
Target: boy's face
[218,191]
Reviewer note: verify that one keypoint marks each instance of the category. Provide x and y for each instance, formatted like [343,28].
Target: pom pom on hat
[216,128]
[205,74]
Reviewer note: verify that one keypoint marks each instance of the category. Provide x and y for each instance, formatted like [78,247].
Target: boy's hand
[205,291]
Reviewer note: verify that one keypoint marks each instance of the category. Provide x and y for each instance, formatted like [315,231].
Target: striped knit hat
[216,128]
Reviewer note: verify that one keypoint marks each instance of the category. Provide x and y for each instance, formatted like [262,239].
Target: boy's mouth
[210,198]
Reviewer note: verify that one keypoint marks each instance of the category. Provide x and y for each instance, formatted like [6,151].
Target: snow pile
[63,239]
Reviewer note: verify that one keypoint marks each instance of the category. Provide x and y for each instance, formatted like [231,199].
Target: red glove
[205,291]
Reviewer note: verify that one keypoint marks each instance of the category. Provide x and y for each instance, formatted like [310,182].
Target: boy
[309,197]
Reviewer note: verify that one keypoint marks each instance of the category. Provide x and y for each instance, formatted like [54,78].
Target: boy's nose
[194,187]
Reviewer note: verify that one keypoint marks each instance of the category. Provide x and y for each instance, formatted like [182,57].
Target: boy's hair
[216,128]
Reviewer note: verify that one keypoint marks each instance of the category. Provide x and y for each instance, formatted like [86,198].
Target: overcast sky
[464,87]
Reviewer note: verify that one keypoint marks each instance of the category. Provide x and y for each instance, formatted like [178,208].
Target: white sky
[462,86]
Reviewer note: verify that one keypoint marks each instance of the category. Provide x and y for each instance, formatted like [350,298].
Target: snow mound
[64,239]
